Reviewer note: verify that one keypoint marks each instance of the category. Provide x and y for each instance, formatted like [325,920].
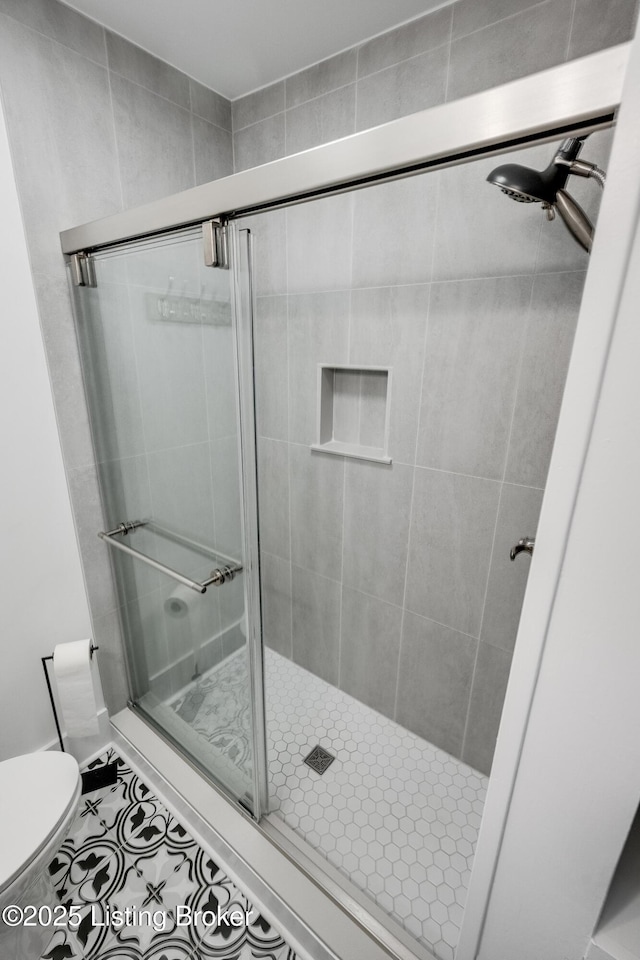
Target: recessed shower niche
[353,406]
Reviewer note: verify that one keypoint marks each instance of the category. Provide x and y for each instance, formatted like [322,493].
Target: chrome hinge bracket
[83,272]
[214,237]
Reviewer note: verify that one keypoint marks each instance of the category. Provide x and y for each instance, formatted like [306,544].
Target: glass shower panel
[412,340]
[157,341]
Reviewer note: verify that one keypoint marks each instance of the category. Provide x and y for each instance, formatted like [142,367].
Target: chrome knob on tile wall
[525,545]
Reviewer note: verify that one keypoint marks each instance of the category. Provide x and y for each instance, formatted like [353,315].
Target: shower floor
[396,815]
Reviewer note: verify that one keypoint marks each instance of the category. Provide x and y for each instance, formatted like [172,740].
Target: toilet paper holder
[92,650]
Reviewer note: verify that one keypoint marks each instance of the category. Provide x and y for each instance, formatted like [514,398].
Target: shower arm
[574,217]
[581,168]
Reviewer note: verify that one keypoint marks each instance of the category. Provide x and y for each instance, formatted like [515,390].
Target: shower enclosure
[320,428]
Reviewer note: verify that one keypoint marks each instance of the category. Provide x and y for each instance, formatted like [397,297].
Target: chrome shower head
[547,187]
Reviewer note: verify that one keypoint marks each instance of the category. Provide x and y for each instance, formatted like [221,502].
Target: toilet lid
[36,793]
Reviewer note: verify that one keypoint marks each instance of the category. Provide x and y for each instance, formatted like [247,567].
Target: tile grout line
[344,464]
[503,481]
[511,16]
[448,71]
[60,43]
[415,455]
[342,86]
[113,122]
[570,31]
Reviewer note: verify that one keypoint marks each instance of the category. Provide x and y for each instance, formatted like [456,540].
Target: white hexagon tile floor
[395,814]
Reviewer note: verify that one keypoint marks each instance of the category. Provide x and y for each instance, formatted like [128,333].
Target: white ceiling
[236,46]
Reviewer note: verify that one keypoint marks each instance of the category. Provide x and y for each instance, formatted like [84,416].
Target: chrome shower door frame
[243,311]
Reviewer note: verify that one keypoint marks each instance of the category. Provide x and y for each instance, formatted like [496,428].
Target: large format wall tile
[107,349]
[321,78]
[517,518]
[376,528]
[134,63]
[88,515]
[275,583]
[591,31]
[318,333]
[403,88]
[405,42]
[271,368]
[126,495]
[485,709]
[469,15]
[317,486]
[107,635]
[393,232]
[181,500]
[65,372]
[436,667]
[474,341]
[316,624]
[260,143]
[220,380]
[466,198]
[59,22]
[319,245]
[388,329]
[213,151]
[554,312]
[54,137]
[370,642]
[227,499]
[155,147]
[210,105]
[321,120]
[452,525]
[273,494]
[172,380]
[258,106]
[525,43]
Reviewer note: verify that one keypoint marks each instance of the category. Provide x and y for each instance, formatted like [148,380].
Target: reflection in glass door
[157,339]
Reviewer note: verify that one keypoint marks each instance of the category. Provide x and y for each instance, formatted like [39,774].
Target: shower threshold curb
[312,921]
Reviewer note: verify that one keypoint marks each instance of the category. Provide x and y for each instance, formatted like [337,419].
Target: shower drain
[319,759]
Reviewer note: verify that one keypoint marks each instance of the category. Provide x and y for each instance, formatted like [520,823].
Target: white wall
[43,598]
[578,782]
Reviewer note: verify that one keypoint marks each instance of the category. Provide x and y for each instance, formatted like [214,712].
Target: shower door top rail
[581,95]
[218,576]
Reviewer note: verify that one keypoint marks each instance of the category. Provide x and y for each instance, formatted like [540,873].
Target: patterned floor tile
[137,884]
[63,946]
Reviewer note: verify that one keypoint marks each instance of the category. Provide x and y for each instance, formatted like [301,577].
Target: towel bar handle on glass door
[218,576]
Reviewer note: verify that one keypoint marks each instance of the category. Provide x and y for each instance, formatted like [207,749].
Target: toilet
[39,795]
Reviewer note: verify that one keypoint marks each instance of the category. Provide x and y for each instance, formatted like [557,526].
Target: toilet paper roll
[181,602]
[76,693]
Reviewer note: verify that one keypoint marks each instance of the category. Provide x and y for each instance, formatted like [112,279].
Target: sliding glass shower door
[157,335]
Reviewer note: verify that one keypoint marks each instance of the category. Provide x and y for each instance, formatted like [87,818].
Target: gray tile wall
[95,124]
[460,49]
[473,302]
[394,582]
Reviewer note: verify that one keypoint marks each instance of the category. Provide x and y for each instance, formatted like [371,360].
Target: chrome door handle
[525,545]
